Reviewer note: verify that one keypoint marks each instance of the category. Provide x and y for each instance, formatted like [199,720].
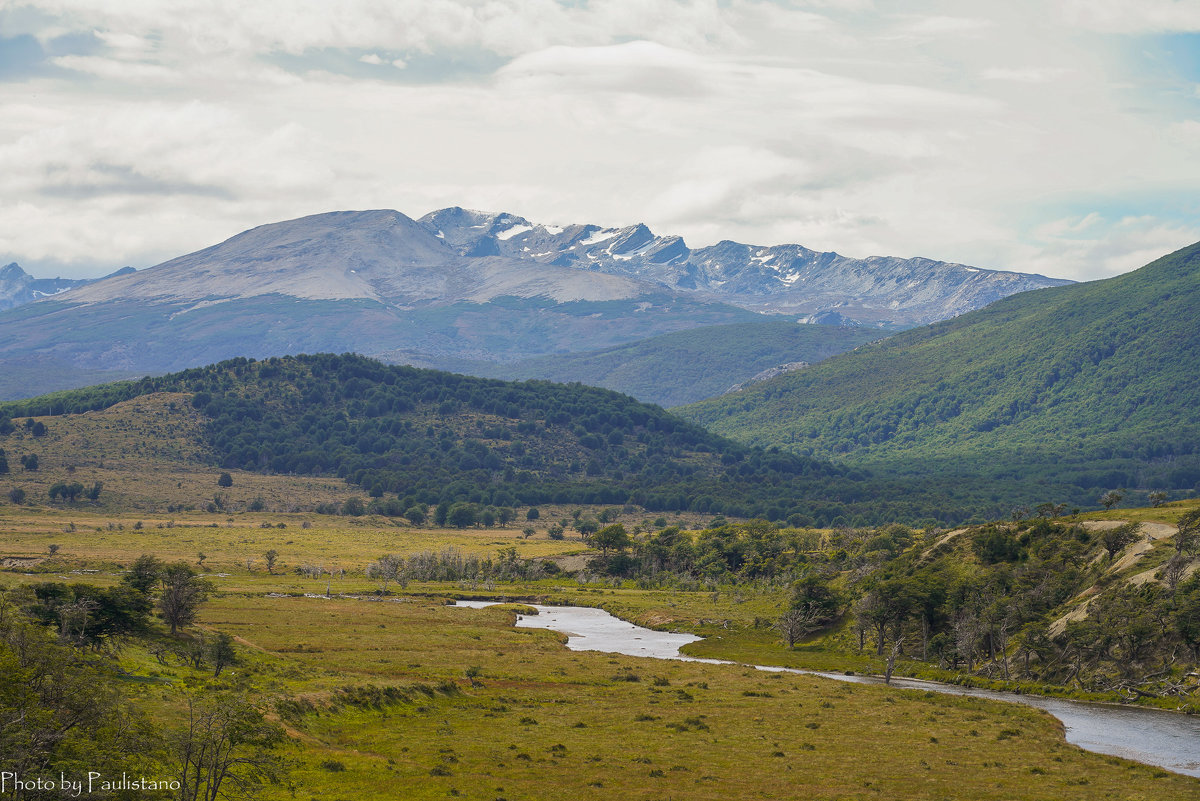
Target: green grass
[490,711]
[540,721]
[681,729]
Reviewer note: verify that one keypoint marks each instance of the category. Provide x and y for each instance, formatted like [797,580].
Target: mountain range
[1062,392]
[781,279]
[460,290]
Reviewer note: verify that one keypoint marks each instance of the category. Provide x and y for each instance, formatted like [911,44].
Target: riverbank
[1149,736]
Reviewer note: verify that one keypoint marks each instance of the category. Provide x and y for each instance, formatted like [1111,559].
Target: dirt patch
[570,563]
[1075,615]
[1102,525]
[1152,533]
[20,562]
[932,551]
[1158,531]
[1146,576]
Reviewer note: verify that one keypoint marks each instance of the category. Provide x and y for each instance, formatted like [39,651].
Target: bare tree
[1187,535]
[385,570]
[891,663]
[226,749]
[271,556]
[798,622]
[1172,572]
[74,618]
[966,635]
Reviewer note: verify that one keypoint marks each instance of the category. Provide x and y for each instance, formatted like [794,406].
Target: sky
[1053,136]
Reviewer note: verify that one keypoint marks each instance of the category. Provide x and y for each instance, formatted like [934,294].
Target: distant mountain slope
[454,289]
[789,279]
[687,366]
[369,282]
[1095,384]
[351,255]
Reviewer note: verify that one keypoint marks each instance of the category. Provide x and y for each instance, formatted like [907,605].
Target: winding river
[1155,737]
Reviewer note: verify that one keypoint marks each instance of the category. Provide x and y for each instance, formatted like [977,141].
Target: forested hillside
[1083,387]
[687,366]
[409,437]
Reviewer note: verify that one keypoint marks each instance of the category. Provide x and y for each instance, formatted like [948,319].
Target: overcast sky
[1051,136]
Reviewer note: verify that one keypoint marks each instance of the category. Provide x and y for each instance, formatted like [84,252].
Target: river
[1155,737]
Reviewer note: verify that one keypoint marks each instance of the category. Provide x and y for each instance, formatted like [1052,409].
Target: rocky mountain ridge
[18,287]
[459,288]
[779,279]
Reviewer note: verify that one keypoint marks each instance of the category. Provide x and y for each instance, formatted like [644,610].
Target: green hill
[687,366]
[410,436]
[1070,389]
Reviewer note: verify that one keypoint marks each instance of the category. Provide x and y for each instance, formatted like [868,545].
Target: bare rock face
[780,279]
[17,287]
[770,372]
[370,255]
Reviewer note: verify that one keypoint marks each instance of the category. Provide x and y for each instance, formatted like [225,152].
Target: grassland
[548,722]
[374,696]
[405,696]
[374,691]
[149,455]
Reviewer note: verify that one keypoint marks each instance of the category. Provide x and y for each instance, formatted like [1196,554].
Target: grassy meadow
[432,701]
[403,695]
[407,693]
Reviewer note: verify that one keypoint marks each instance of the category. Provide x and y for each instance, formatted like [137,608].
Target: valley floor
[406,693]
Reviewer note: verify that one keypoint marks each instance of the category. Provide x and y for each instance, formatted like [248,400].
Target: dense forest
[687,366]
[1079,388]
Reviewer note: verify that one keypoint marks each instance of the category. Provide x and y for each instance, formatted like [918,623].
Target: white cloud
[1094,246]
[636,67]
[1132,16]
[941,26]
[834,124]
[1021,74]
[117,69]
[132,178]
